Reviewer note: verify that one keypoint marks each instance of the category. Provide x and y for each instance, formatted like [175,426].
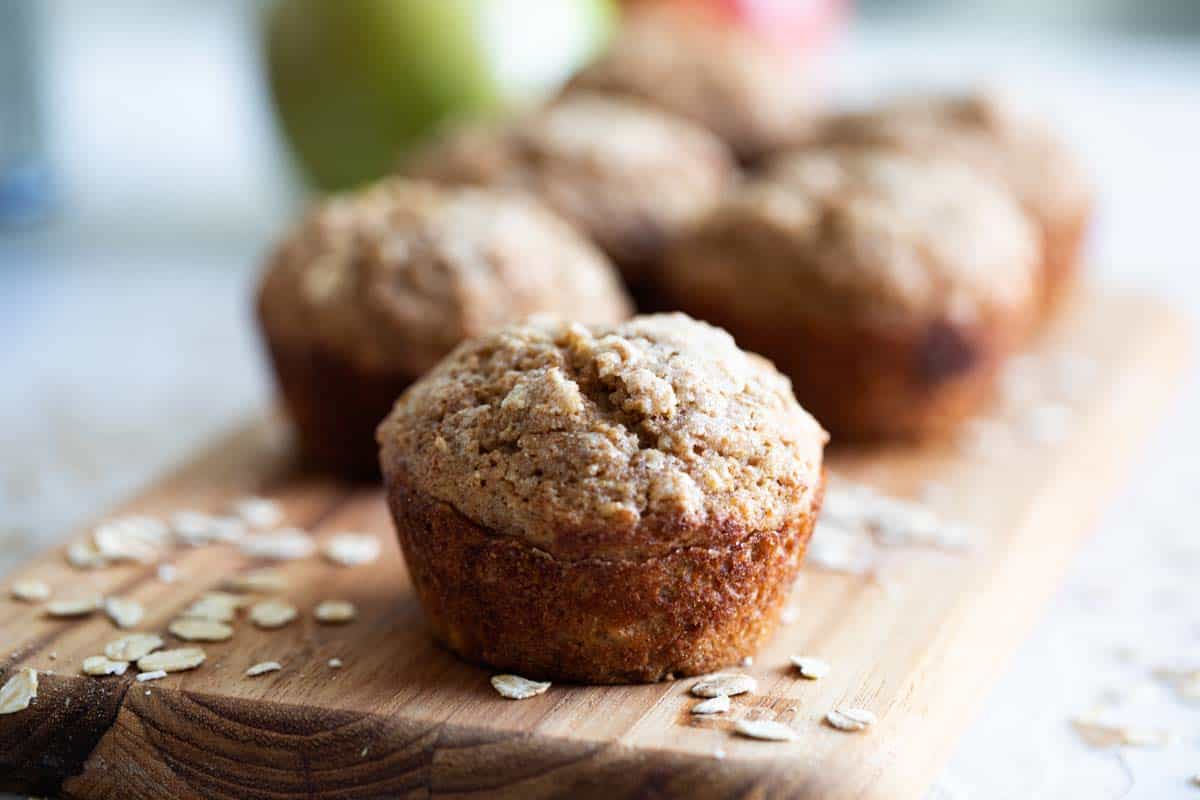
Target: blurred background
[151,149]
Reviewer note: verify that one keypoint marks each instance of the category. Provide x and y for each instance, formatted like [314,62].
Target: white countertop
[128,342]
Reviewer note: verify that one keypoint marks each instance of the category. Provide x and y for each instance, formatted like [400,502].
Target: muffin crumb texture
[864,234]
[393,277]
[618,442]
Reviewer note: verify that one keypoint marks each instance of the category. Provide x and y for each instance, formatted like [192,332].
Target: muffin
[717,75]
[1016,149]
[603,505]
[626,174]
[890,287]
[371,290]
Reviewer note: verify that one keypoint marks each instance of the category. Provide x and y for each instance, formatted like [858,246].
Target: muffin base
[496,600]
[335,406]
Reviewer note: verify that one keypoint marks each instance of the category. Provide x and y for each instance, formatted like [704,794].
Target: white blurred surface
[128,341]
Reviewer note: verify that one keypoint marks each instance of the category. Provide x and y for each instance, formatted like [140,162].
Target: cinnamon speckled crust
[613,441]
[889,287]
[497,600]
[986,131]
[603,505]
[716,75]
[626,174]
[372,289]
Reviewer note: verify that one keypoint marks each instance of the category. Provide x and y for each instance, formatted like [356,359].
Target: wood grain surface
[919,647]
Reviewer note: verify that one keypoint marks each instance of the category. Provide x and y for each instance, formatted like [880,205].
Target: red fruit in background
[797,25]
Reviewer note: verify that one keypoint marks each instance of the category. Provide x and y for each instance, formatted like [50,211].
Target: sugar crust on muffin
[625,441]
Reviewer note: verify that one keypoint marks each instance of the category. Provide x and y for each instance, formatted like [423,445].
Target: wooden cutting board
[920,646]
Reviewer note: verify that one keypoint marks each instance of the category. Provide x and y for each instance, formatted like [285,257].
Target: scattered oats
[719,753]
[79,607]
[335,663]
[261,581]
[985,438]
[286,544]
[1075,374]
[933,493]
[364,752]
[52,656]
[195,528]
[850,719]
[99,665]
[1095,733]
[172,660]
[167,573]
[1047,424]
[514,687]
[133,646]
[219,606]
[765,729]
[150,675]
[838,550]
[83,554]
[259,512]
[263,668]
[858,513]
[123,613]
[713,705]
[789,615]
[133,538]
[272,614]
[726,683]
[352,549]
[30,591]
[1143,737]
[810,667]
[1186,683]
[19,691]
[747,661]
[333,611]
[198,629]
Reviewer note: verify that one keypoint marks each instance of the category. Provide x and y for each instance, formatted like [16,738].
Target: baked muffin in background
[890,287]
[626,174]
[613,504]
[717,75]
[372,289]
[1017,149]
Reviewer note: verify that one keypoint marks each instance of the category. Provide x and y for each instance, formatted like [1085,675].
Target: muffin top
[875,234]
[620,441]
[395,276]
[988,132]
[714,74]
[625,173]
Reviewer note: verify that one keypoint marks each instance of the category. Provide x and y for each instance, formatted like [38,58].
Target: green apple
[355,82]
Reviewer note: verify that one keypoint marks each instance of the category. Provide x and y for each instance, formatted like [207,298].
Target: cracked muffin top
[613,442]
[715,75]
[625,173]
[395,276]
[875,234]
[985,130]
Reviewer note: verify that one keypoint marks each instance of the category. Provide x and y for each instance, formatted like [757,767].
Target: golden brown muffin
[714,74]
[371,289]
[890,287]
[604,505]
[626,174]
[1019,151]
